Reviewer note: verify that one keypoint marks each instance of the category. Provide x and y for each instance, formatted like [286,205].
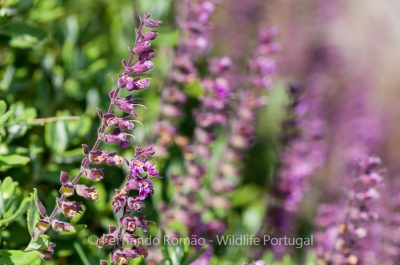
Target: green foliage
[13,204]
[18,257]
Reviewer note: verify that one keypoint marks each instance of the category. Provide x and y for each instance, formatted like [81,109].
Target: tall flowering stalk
[212,114]
[348,241]
[113,130]
[359,134]
[209,116]
[241,132]
[305,147]
[194,26]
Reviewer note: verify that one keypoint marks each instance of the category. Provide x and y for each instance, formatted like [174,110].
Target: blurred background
[58,59]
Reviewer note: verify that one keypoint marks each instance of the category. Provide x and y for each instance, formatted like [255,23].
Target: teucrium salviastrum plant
[113,130]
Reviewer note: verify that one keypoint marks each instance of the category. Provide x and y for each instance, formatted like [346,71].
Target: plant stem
[85,161]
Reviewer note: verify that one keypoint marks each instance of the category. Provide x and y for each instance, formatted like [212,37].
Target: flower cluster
[242,126]
[211,114]
[304,151]
[141,166]
[194,41]
[130,200]
[347,241]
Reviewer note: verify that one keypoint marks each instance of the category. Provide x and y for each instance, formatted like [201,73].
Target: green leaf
[81,253]
[33,212]
[189,261]
[23,35]
[3,107]
[246,195]
[19,257]
[254,215]
[56,137]
[194,89]
[14,160]
[177,254]
[12,206]
[41,243]
[4,117]
[19,212]
[136,261]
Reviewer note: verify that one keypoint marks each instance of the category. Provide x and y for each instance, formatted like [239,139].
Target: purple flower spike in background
[347,230]
[194,20]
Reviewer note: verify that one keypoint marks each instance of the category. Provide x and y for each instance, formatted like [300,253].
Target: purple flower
[151,23]
[86,192]
[126,104]
[122,123]
[94,174]
[139,62]
[119,200]
[135,204]
[107,240]
[43,224]
[49,252]
[122,256]
[67,188]
[352,230]
[150,168]
[133,83]
[145,188]
[151,35]
[222,87]
[128,223]
[70,209]
[144,151]
[116,137]
[220,65]
[141,222]
[104,157]
[147,55]
[60,226]
[141,67]
[142,46]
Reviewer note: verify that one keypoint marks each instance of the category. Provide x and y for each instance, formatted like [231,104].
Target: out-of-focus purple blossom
[242,125]
[194,17]
[207,117]
[262,67]
[347,230]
